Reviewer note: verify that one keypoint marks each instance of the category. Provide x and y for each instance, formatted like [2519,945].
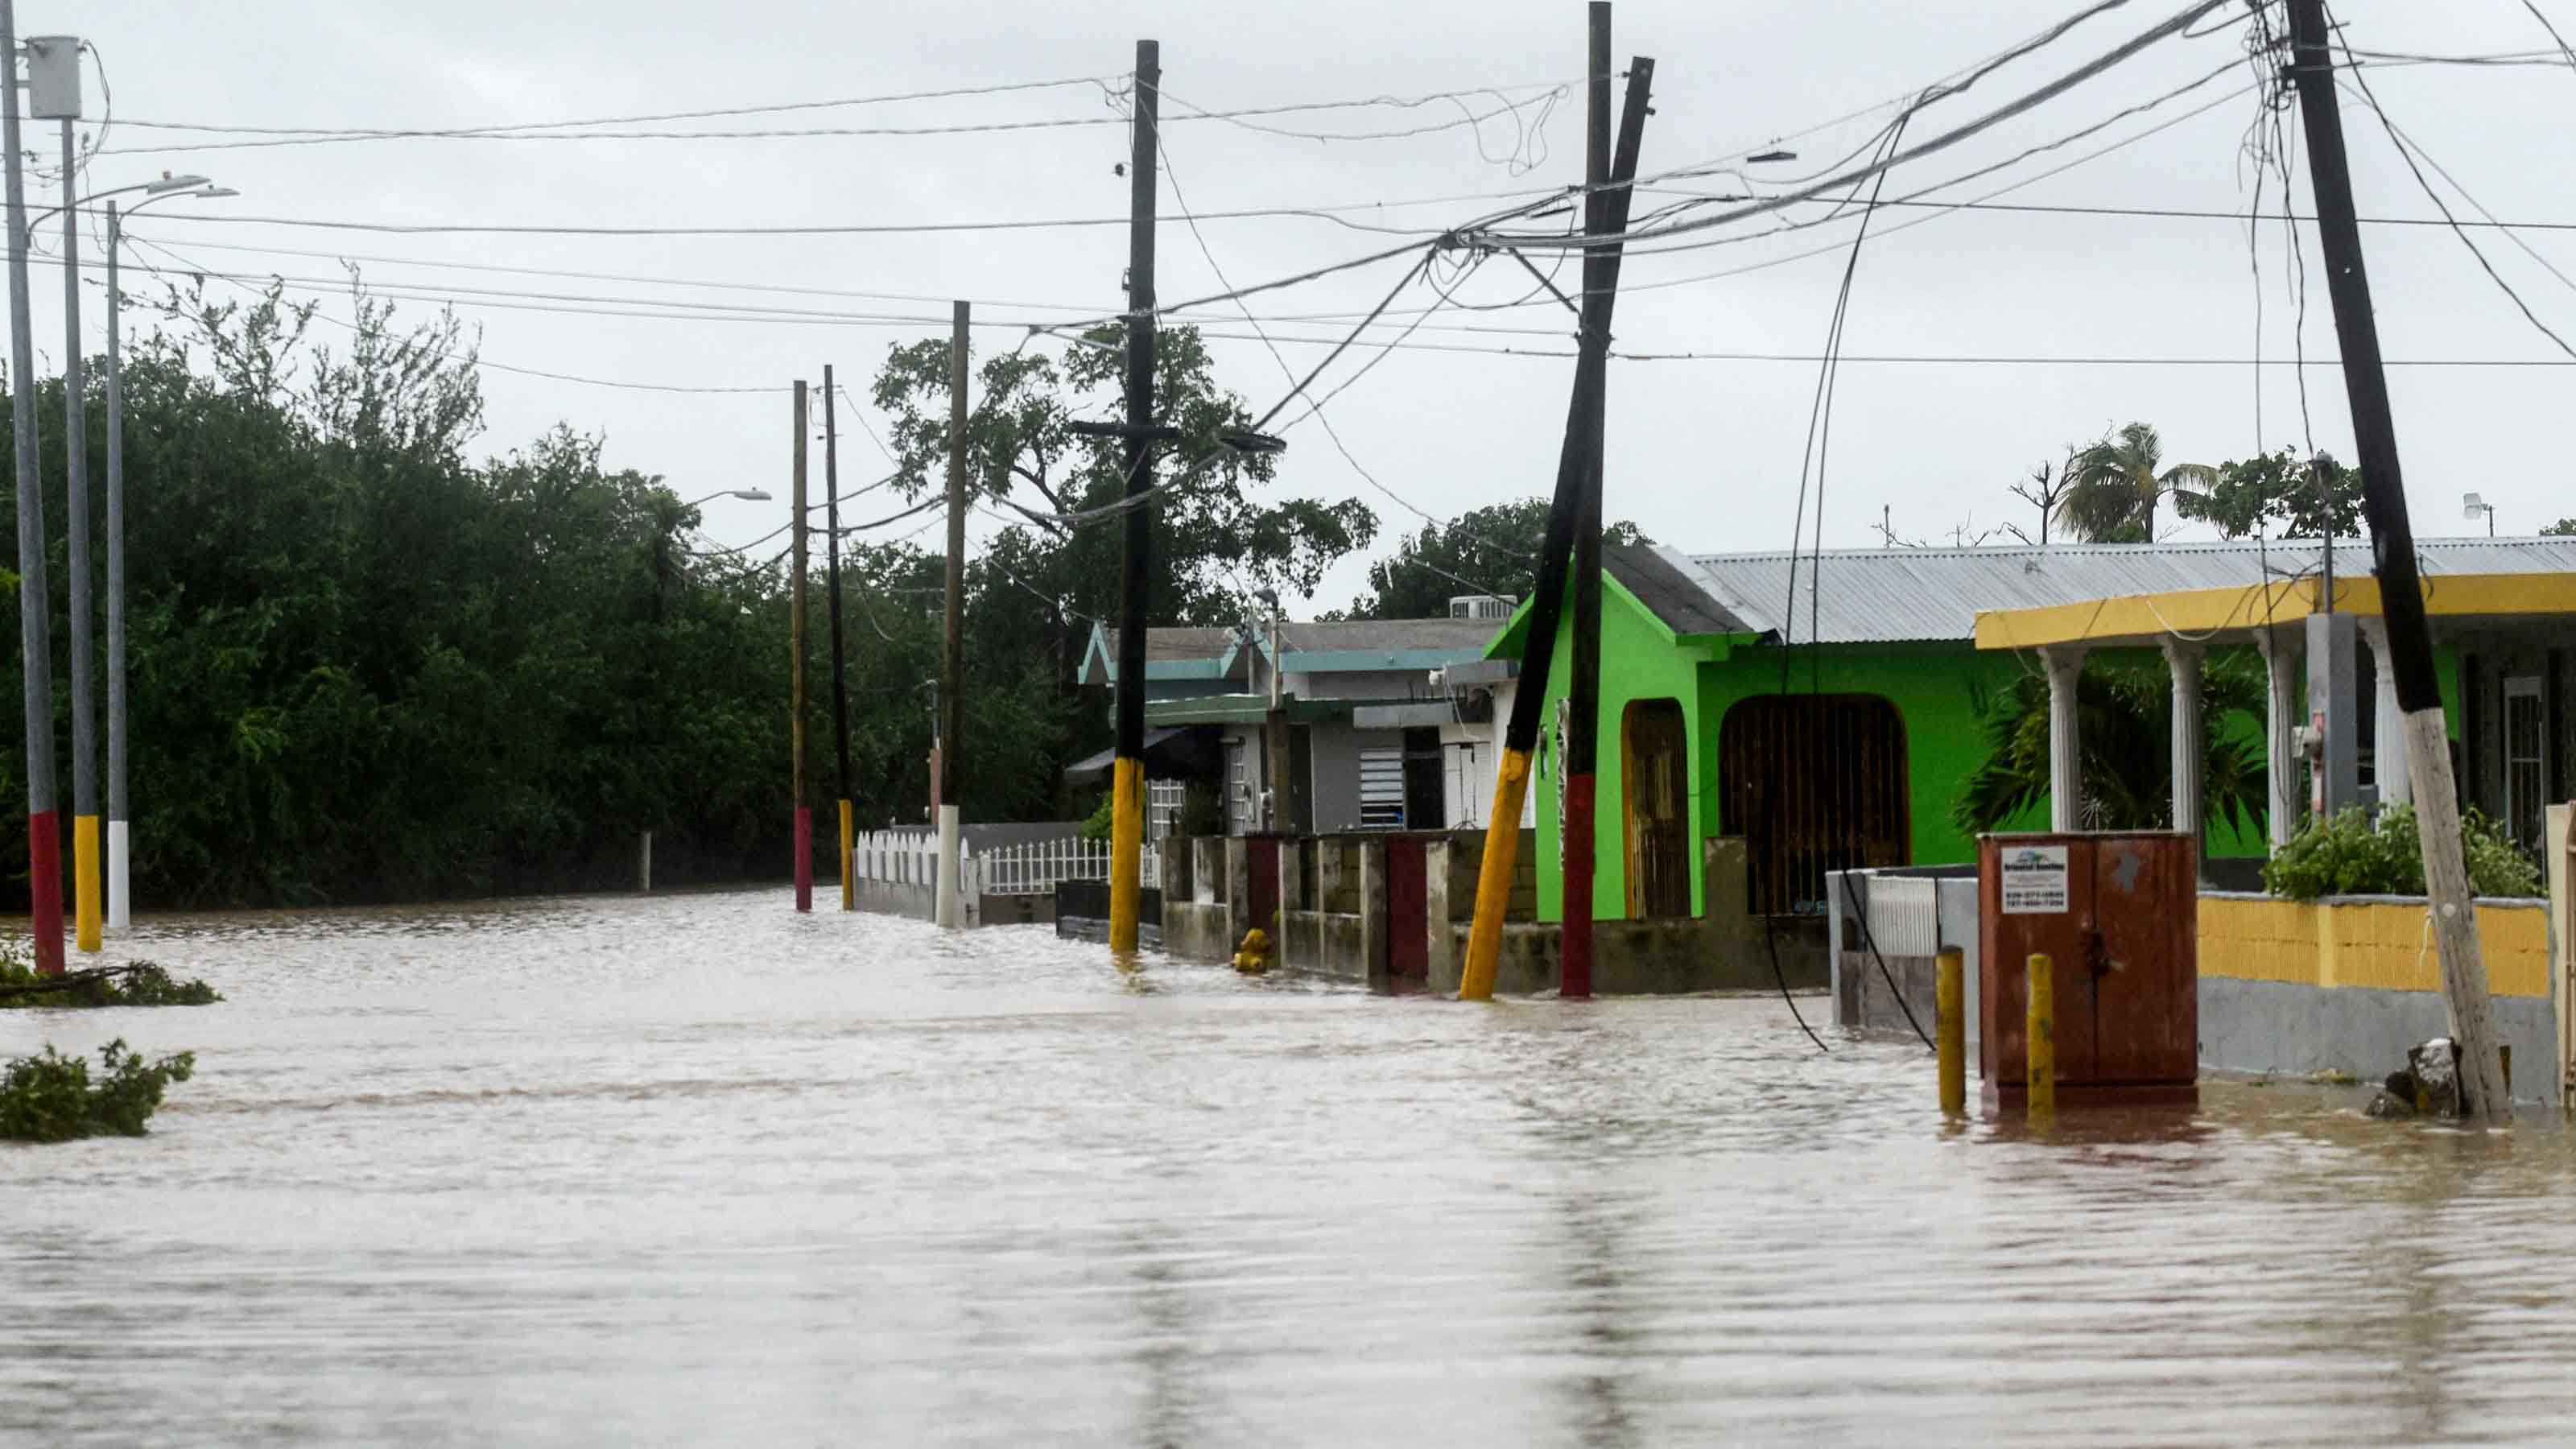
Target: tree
[2118,483]
[2045,490]
[1489,550]
[2124,718]
[2563,528]
[2270,488]
[1215,543]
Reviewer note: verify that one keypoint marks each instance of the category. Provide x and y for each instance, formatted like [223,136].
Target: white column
[2287,695]
[2183,659]
[944,902]
[2065,753]
[2396,781]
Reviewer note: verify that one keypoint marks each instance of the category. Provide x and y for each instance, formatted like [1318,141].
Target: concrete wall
[1726,949]
[2285,1027]
[2379,942]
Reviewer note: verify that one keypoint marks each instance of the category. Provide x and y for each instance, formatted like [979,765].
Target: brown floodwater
[695,1169]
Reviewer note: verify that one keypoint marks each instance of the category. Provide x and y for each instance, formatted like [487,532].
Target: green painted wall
[1640,660]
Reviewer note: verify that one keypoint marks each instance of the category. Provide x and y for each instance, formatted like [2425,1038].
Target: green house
[1826,709]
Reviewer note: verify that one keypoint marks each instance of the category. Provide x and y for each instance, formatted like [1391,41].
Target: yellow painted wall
[2376,944]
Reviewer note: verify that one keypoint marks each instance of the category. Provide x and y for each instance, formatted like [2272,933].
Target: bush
[1098,826]
[49,1098]
[142,983]
[2347,856]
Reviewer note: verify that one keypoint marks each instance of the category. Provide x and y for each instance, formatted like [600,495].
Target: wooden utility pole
[2401,595]
[1583,731]
[796,668]
[1127,811]
[952,649]
[1574,470]
[832,591]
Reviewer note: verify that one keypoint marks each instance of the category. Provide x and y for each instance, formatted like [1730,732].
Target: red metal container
[2119,915]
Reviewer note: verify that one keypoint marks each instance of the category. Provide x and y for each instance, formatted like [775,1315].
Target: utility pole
[2392,543]
[1583,735]
[832,587]
[952,644]
[120,893]
[44,826]
[1127,810]
[66,51]
[796,669]
[1575,464]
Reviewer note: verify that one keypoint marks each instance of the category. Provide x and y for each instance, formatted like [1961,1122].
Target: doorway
[1655,779]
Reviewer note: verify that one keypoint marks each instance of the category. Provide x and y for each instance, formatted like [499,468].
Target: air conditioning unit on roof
[1482,606]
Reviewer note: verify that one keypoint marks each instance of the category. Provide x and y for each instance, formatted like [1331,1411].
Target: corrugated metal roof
[1467,637]
[1666,587]
[1895,595]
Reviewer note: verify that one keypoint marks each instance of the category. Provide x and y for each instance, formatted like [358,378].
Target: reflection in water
[696,1169]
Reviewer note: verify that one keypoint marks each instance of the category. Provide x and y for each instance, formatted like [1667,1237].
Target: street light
[120,895]
[747,495]
[2471,505]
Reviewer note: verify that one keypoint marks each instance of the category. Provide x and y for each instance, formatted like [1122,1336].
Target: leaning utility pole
[1583,732]
[796,668]
[1127,817]
[44,826]
[1575,464]
[832,592]
[952,644]
[2401,595]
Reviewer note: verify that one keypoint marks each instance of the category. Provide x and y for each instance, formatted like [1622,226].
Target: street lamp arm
[167,186]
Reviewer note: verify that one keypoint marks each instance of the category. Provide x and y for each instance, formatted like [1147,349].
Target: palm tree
[2116,486]
[2124,725]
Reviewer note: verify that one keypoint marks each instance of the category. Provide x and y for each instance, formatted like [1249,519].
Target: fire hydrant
[1253,956]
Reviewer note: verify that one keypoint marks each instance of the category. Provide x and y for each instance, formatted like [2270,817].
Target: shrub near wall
[2348,856]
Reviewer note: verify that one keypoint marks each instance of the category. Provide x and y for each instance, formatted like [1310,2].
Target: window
[1813,783]
[2526,759]
[1382,787]
[1244,801]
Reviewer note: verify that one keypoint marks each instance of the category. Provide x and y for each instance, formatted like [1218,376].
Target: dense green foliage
[2348,856]
[1492,550]
[50,1098]
[2125,725]
[365,665]
[2563,528]
[2251,496]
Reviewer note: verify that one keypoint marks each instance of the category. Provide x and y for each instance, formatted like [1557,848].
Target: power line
[1942,142]
[275,136]
[2407,154]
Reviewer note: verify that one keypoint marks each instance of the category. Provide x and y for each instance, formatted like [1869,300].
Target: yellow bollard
[1950,1031]
[849,843]
[2042,983]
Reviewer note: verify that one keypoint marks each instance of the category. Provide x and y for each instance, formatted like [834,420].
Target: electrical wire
[277,136]
[2407,154]
[1956,135]
[2543,18]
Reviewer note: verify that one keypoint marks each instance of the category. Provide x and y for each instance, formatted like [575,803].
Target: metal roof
[1666,587]
[1896,595]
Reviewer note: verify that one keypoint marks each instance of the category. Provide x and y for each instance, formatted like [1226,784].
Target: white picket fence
[912,858]
[1035,868]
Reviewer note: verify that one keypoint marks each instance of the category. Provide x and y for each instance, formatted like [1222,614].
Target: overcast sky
[1704,454]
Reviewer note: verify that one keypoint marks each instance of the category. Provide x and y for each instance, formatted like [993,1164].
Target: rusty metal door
[2118,914]
[1657,786]
[1408,909]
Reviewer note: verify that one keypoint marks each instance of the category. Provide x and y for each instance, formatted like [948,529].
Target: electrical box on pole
[54,77]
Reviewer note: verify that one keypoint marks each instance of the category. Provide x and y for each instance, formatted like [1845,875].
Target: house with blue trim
[1382,724]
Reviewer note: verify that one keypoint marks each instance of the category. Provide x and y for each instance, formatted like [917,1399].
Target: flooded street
[694,1169]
